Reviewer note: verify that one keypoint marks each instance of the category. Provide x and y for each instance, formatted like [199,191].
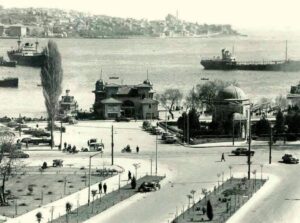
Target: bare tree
[7,162]
[281,102]
[51,79]
[169,98]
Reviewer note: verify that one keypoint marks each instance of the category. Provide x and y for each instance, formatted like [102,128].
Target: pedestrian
[37,126]
[100,188]
[223,157]
[65,145]
[104,188]
[203,210]
[137,149]
[129,175]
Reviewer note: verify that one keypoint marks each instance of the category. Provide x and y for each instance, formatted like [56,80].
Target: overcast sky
[273,14]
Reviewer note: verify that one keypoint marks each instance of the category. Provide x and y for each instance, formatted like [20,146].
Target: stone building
[231,111]
[131,101]
[16,31]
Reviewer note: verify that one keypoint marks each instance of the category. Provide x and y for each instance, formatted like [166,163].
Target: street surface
[186,169]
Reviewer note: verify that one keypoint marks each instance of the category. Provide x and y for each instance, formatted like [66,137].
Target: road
[186,169]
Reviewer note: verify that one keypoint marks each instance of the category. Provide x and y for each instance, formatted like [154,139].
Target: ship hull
[274,66]
[27,60]
[9,82]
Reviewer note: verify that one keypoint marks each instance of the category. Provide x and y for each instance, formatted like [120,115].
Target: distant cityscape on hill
[46,22]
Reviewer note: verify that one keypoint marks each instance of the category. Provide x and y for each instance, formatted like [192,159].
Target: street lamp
[261,167]
[156,151]
[230,167]
[90,162]
[271,143]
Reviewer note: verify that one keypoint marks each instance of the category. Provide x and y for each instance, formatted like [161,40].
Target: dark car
[242,152]
[122,119]
[19,154]
[149,186]
[290,159]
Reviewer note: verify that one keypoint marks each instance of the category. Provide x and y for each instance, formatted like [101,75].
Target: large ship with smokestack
[228,62]
[27,54]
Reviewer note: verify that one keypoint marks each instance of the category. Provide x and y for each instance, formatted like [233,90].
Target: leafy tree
[39,217]
[209,211]
[189,121]
[262,127]
[279,124]
[51,79]
[206,94]
[133,183]
[169,98]
[281,102]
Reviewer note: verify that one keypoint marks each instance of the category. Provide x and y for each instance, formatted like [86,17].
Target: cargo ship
[27,55]
[9,82]
[228,62]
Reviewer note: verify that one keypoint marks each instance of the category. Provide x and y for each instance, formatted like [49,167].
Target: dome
[147,82]
[232,92]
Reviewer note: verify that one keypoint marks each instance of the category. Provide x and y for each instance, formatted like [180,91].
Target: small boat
[5,63]
[9,82]
[204,79]
[113,77]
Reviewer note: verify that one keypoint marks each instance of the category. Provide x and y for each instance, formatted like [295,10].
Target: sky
[260,14]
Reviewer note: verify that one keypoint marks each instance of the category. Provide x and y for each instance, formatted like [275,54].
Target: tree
[39,217]
[7,163]
[262,127]
[68,210]
[281,102]
[169,98]
[279,124]
[51,79]
[206,94]
[133,183]
[209,211]
[189,122]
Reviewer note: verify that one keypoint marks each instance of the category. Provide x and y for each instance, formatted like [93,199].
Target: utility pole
[188,129]
[270,145]
[151,166]
[249,143]
[233,131]
[155,155]
[61,134]
[112,145]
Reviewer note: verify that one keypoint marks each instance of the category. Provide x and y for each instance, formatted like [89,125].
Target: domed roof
[232,92]
[147,82]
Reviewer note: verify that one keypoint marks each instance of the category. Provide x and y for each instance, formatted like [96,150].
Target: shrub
[209,211]
[45,166]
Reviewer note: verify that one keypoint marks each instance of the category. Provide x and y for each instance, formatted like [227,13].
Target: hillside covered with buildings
[46,22]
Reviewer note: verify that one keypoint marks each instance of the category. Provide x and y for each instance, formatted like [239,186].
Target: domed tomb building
[231,111]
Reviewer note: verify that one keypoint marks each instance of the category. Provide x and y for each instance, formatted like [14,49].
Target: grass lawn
[47,186]
[225,200]
[102,203]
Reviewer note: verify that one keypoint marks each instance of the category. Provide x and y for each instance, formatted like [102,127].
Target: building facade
[131,101]
[294,96]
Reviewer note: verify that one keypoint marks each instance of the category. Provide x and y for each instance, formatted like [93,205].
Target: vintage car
[36,141]
[170,139]
[57,163]
[290,159]
[242,152]
[122,119]
[126,149]
[149,186]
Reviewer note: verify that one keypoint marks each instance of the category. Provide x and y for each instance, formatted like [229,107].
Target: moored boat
[9,82]
[5,63]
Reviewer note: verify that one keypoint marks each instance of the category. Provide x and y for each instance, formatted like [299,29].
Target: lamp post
[270,143]
[90,162]
[249,142]
[261,167]
[233,130]
[112,145]
[156,152]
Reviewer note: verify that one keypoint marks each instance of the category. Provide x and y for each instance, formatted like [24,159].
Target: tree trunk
[51,129]
[171,113]
[3,200]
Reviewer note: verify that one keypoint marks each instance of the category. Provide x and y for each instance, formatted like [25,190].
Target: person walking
[100,188]
[104,188]
[129,175]
[223,158]
[137,149]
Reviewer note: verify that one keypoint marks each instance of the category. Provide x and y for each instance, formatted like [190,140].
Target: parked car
[122,119]
[289,158]
[165,134]
[57,163]
[146,125]
[149,186]
[170,139]
[19,154]
[156,131]
[242,152]
[127,149]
